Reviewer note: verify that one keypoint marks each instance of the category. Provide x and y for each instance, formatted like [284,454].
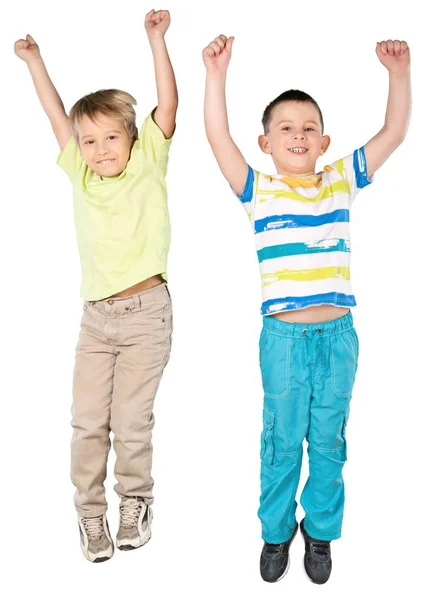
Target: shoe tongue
[132,502]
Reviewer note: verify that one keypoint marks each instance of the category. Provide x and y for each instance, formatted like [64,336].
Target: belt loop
[139,301]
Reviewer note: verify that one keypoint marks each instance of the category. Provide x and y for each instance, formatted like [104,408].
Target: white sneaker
[96,543]
[135,518]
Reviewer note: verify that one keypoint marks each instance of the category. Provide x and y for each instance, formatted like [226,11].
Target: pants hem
[88,514]
[318,535]
[147,501]
[281,539]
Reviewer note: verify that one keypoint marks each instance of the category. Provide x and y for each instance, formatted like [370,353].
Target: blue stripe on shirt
[247,193]
[360,167]
[299,302]
[296,248]
[291,221]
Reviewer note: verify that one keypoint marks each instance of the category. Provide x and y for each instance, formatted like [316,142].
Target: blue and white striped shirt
[301,227]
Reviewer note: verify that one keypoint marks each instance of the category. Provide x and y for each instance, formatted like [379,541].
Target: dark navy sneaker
[275,560]
[317,560]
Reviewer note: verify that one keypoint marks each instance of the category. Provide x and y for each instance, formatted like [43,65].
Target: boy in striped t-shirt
[308,345]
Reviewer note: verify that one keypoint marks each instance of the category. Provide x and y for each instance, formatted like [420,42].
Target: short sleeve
[247,197]
[353,169]
[152,143]
[70,159]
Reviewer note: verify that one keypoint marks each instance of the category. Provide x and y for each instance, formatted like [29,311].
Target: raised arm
[216,57]
[29,52]
[156,25]
[395,56]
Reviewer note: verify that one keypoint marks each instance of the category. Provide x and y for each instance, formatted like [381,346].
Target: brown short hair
[289,96]
[114,103]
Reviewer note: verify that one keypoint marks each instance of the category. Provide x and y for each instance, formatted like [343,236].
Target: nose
[299,135]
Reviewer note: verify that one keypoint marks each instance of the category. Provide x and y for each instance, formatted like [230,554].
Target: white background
[206,540]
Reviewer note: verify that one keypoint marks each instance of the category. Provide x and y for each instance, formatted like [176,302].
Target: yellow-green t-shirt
[122,222]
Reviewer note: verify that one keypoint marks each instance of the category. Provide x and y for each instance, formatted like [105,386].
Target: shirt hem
[347,304]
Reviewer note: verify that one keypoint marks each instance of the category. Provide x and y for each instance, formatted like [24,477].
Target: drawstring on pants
[316,339]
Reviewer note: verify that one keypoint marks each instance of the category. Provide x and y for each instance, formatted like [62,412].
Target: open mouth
[298,150]
[107,161]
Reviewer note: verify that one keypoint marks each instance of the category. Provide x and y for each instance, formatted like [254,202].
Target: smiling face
[294,138]
[105,145]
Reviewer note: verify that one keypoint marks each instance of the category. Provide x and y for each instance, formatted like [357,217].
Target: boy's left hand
[394,55]
[157,23]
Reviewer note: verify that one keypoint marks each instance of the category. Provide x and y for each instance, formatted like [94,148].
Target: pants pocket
[275,363]
[168,292]
[344,362]
[267,437]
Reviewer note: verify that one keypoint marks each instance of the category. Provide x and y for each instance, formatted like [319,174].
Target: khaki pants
[123,348]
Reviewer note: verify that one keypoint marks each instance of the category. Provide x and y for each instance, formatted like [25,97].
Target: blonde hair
[114,103]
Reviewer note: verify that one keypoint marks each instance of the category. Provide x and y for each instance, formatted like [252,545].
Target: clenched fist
[27,49]
[157,23]
[217,54]
[394,55]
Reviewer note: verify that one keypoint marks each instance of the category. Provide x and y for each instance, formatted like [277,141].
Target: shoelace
[130,511]
[93,527]
[320,551]
[274,548]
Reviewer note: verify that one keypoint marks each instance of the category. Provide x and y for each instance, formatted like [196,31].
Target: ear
[135,137]
[325,142]
[264,144]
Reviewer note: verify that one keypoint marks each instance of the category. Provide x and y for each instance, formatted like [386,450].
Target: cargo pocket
[267,437]
[344,362]
[275,363]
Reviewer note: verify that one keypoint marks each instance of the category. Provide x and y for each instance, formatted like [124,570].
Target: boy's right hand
[27,49]
[217,54]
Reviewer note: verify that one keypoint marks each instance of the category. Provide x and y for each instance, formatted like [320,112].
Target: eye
[112,137]
[309,129]
[286,128]
[88,142]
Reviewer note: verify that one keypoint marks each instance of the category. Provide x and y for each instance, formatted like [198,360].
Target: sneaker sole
[103,559]
[96,560]
[127,547]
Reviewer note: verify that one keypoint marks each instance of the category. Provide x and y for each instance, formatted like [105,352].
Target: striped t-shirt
[301,227]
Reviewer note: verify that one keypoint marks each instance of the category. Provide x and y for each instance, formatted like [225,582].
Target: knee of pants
[90,441]
[329,436]
[278,443]
[326,465]
[91,425]
[127,425]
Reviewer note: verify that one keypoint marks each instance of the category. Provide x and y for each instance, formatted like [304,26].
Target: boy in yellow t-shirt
[123,232]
